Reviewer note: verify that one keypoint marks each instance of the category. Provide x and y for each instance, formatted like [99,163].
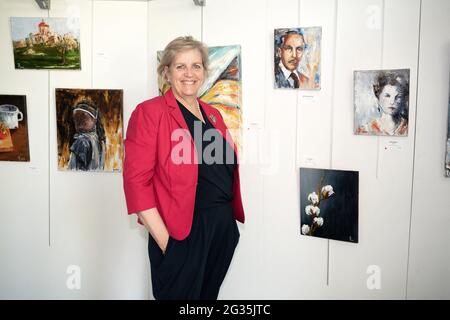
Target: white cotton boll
[315,210]
[312,210]
[318,221]
[327,191]
[314,198]
[305,229]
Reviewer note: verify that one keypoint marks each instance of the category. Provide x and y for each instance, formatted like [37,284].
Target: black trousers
[194,268]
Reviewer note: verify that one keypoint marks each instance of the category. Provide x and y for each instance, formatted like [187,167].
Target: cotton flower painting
[329,204]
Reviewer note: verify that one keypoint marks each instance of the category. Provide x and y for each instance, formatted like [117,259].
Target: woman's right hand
[156,227]
[165,242]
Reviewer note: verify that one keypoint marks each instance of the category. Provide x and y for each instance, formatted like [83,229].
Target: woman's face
[186,73]
[390,99]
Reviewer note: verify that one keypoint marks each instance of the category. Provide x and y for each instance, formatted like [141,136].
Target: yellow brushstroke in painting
[225,96]
[314,59]
[113,131]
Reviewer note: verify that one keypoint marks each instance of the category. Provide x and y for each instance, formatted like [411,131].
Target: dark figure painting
[90,129]
[87,151]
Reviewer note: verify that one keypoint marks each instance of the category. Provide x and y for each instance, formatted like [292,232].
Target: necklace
[185,103]
[200,111]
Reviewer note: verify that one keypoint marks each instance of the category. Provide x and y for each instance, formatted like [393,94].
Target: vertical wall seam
[265,74]
[258,130]
[377,170]
[382,32]
[92,43]
[297,129]
[147,74]
[377,166]
[414,153]
[201,23]
[333,105]
[333,89]
[328,262]
[48,155]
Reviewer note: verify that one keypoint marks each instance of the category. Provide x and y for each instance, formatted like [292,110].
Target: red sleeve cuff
[139,198]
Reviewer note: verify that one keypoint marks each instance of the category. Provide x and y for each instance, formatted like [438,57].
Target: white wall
[429,268]
[24,187]
[54,219]
[51,219]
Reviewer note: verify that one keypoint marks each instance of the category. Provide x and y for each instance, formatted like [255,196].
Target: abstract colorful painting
[381,99]
[14,144]
[46,43]
[222,87]
[89,129]
[297,58]
[329,204]
[447,156]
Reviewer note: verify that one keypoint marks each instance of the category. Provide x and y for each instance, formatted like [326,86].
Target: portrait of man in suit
[297,58]
[290,53]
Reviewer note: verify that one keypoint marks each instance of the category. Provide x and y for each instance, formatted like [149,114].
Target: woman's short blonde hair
[180,44]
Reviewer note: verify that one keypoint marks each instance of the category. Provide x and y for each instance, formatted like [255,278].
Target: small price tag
[308,98]
[310,161]
[393,145]
[102,55]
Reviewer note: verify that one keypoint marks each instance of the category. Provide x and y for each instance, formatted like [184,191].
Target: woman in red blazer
[181,177]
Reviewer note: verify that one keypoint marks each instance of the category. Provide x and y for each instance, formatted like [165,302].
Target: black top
[215,173]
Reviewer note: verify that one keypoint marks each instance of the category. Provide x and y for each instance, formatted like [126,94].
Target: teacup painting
[10,116]
[13,128]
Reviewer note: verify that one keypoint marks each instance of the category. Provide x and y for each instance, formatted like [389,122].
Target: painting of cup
[13,128]
[10,115]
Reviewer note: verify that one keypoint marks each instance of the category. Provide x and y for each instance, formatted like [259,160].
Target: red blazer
[152,179]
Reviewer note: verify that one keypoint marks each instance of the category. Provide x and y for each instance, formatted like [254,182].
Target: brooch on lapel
[211,116]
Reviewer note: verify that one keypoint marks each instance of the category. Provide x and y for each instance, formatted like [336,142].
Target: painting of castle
[46,43]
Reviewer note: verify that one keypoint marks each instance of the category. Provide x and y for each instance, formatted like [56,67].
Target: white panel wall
[253,45]
[369,38]
[429,270]
[166,21]
[84,216]
[89,224]
[319,110]
[286,253]
[24,185]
